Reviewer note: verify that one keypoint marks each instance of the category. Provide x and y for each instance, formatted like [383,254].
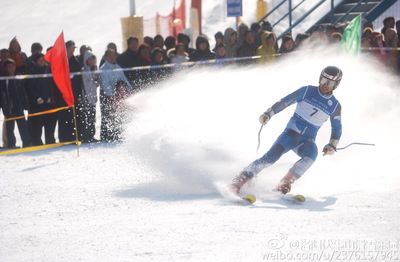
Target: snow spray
[199,126]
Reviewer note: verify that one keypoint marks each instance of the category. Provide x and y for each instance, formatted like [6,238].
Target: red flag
[57,57]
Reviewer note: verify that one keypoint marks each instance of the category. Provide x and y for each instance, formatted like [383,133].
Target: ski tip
[299,198]
[250,198]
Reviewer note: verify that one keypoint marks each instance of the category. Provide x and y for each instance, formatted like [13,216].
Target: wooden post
[131,26]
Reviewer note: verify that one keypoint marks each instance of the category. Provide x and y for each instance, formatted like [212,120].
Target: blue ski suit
[313,109]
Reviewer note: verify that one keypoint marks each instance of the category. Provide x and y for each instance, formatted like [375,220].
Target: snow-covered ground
[157,196]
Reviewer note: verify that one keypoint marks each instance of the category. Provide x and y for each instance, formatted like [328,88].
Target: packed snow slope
[157,196]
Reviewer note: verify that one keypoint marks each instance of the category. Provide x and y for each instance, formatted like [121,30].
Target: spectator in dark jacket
[143,58]
[14,102]
[129,58]
[248,48]
[159,74]
[4,55]
[185,40]
[170,42]
[35,49]
[202,51]
[41,98]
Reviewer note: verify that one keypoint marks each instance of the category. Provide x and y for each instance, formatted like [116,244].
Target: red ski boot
[285,185]
[240,180]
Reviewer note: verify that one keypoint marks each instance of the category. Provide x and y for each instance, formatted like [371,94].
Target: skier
[314,106]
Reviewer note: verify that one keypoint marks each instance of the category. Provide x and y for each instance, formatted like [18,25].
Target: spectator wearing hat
[40,93]
[230,40]
[267,49]
[14,101]
[241,31]
[202,51]
[265,26]
[35,49]
[20,58]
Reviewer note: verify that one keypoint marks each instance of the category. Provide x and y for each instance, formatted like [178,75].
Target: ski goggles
[328,82]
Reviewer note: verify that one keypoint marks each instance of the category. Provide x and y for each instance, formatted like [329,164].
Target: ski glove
[330,148]
[266,116]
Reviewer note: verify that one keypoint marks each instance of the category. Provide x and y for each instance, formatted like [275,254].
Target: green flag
[351,39]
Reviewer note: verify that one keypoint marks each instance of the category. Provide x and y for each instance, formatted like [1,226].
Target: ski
[230,194]
[250,199]
[296,199]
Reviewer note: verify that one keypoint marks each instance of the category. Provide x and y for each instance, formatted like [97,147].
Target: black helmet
[331,76]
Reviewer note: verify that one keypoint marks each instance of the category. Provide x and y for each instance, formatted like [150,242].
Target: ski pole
[259,137]
[355,143]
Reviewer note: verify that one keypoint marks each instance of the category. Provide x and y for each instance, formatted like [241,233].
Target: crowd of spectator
[110,87]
